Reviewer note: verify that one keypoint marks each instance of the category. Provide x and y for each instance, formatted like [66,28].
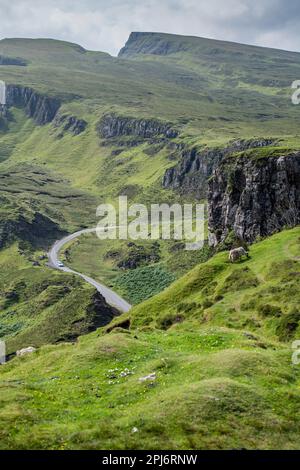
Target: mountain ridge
[215,341]
[136,36]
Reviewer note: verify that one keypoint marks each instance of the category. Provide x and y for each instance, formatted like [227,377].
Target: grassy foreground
[219,338]
[224,379]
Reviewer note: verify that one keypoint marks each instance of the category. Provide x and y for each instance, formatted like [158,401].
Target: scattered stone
[150,377]
[25,351]
[125,372]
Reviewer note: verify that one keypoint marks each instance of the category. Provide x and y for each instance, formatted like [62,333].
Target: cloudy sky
[105,24]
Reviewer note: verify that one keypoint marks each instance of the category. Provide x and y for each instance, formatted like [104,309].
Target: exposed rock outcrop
[112,125]
[191,174]
[100,313]
[196,166]
[3,111]
[152,43]
[254,197]
[69,123]
[4,115]
[39,107]
[12,61]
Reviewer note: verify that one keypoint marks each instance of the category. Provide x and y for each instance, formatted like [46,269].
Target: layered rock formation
[152,43]
[112,126]
[196,166]
[12,61]
[69,123]
[39,107]
[253,197]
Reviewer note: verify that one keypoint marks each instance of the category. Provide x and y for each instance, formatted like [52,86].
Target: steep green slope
[52,178]
[136,269]
[212,91]
[238,82]
[204,84]
[39,207]
[261,293]
[39,306]
[217,385]
[218,338]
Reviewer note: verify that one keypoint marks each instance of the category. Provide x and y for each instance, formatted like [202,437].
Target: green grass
[38,207]
[212,91]
[215,389]
[219,337]
[209,86]
[141,283]
[220,293]
[41,306]
[106,261]
[225,379]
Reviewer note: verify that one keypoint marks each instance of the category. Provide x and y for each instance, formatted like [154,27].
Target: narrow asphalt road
[110,296]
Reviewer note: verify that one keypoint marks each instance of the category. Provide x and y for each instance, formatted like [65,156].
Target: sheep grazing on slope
[237,254]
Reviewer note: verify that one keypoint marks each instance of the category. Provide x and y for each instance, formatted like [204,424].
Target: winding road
[110,296]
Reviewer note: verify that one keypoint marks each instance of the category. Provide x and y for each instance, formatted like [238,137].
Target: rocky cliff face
[4,115]
[151,43]
[196,166]
[69,123]
[112,125]
[38,107]
[191,174]
[100,313]
[12,61]
[254,197]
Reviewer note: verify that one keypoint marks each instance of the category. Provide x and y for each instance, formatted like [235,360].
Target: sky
[105,25]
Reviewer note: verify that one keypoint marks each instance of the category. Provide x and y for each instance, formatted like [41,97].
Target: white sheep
[237,254]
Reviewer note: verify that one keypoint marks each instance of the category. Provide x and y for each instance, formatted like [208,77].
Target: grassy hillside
[210,90]
[260,294]
[40,306]
[204,84]
[218,337]
[238,83]
[222,381]
[213,91]
[137,270]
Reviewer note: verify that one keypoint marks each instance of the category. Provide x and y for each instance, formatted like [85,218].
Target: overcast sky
[105,25]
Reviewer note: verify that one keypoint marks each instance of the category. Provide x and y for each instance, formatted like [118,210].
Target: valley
[151,346]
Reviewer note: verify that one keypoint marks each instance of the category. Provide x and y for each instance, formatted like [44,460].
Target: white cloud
[105,25]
